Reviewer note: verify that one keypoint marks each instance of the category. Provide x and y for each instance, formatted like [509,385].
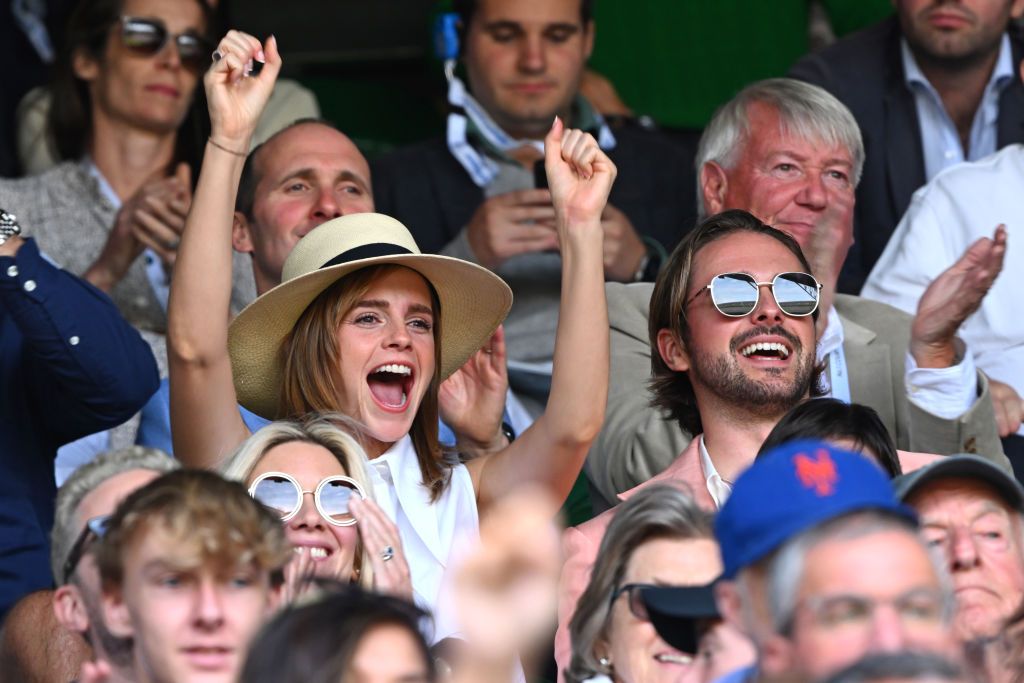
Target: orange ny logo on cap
[818,473]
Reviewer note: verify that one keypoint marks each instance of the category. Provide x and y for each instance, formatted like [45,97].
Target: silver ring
[216,56]
[387,553]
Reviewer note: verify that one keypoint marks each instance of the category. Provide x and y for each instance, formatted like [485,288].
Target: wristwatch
[8,226]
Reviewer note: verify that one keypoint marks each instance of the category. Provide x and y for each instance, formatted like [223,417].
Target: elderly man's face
[979,538]
[875,593]
[800,186]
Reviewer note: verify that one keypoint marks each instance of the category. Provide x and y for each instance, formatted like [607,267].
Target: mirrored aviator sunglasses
[736,294]
[149,36]
[282,495]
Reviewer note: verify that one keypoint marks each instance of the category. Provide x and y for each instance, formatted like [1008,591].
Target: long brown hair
[310,354]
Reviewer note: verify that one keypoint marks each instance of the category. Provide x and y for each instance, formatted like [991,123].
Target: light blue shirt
[940,140]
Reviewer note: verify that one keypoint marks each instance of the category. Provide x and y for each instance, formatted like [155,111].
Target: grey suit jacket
[638,441]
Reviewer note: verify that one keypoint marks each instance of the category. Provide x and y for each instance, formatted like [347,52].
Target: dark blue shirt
[70,365]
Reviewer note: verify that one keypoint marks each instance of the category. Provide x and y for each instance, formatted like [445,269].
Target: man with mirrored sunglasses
[791,154]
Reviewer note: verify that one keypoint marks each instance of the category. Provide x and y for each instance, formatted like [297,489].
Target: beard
[770,396]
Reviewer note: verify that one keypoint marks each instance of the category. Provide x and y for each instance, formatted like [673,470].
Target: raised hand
[235,94]
[383,547]
[472,399]
[580,175]
[951,297]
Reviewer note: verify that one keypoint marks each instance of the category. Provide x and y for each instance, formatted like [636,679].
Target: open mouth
[774,350]
[390,385]
[668,658]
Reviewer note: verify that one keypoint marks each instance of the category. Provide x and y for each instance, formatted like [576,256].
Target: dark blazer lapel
[459,194]
[904,160]
[1010,127]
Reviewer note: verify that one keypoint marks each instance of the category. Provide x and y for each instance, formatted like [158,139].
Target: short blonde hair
[216,518]
[338,434]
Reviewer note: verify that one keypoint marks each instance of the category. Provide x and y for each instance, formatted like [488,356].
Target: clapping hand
[951,297]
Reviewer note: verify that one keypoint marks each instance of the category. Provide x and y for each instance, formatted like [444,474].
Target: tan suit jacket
[638,441]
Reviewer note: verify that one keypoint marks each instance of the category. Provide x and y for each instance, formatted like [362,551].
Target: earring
[605,663]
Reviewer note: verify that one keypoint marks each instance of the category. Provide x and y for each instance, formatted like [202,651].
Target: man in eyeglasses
[190,567]
[49,634]
[972,516]
[791,154]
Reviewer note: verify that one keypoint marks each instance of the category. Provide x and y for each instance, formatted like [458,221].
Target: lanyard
[839,379]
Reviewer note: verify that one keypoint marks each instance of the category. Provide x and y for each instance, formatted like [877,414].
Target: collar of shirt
[476,140]
[104,187]
[832,338]
[940,140]
[718,487]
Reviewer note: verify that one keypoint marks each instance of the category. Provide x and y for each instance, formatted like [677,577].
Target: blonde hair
[310,354]
[216,519]
[337,433]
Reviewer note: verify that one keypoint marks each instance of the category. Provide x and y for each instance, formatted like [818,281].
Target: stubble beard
[766,398]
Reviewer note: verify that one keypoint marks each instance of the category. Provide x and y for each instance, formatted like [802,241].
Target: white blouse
[433,534]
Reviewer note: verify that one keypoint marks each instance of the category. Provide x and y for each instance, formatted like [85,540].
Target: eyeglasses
[282,494]
[736,294]
[916,608]
[149,36]
[94,528]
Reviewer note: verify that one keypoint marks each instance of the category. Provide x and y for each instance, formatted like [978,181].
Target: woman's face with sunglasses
[329,541]
[749,310]
[637,653]
[154,56]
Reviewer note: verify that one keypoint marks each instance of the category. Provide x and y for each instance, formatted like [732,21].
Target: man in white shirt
[948,215]
[791,154]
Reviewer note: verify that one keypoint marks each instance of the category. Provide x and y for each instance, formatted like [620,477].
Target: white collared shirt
[718,487]
[433,534]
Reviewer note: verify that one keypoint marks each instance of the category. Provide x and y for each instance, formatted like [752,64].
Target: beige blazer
[637,441]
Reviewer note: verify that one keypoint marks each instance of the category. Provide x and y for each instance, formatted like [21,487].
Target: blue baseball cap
[791,489]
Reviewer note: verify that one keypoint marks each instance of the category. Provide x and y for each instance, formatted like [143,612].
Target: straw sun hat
[474,301]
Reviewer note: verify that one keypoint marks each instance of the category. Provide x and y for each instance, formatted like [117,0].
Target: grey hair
[805,110]
[337,433]
[786,569]
[904,665]
[82,481]
[657,511]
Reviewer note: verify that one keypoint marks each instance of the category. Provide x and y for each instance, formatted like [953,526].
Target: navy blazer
[427,189]
[69,366]
[865,72]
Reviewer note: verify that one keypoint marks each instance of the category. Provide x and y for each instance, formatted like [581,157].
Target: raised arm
[205,423]
[551,452]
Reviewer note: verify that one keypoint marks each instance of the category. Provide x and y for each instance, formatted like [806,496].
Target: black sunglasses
[637,607]
[149,36]
[94,528]
[736,294]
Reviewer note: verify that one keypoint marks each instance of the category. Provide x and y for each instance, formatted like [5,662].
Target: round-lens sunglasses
[282,494]
[736,294]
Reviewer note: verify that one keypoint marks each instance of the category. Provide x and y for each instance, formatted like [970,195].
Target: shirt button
[30,285]
[12,271]
[74,340]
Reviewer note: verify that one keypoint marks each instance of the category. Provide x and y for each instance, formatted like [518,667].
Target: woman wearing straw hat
[366,325]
